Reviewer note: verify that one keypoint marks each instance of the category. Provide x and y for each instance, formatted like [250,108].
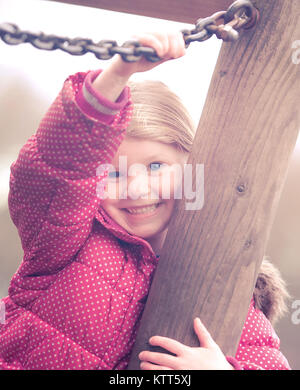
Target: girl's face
[141,184]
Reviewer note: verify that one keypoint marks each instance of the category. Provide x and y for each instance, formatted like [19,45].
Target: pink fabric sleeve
[53,183]
[259,346]
[235,364]
[96,106]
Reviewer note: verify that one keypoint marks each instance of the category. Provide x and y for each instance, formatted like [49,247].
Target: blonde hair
[159,115]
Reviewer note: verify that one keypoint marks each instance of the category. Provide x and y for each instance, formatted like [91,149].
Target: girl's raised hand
[114,78]
[206,357]
[168,45]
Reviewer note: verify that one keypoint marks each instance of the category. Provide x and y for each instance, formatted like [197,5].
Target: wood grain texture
[245,138]
[187,11]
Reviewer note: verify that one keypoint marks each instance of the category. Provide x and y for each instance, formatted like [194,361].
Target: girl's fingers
[168,344]
[177,45]
[204,337]
[150,366]
[158,43]
[166,45]
[163,359]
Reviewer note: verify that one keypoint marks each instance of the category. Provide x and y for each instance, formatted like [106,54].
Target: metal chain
[241,14]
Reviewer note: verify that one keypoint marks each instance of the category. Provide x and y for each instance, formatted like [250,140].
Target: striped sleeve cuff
[96,106]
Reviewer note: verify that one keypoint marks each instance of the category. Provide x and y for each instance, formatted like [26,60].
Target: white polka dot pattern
[259,345]
[77,298]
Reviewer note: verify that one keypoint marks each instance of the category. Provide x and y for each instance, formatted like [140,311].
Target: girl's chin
[145,231]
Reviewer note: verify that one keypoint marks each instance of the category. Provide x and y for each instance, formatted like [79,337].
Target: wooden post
[187,11]
[246,135]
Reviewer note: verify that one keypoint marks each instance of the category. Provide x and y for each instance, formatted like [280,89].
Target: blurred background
[30,80]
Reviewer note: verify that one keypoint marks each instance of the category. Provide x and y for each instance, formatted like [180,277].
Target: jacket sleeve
[259,345]
[53,184]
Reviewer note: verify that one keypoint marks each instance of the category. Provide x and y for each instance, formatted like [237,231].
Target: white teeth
[142,210]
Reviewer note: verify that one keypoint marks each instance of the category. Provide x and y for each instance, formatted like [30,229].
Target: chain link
[241,14]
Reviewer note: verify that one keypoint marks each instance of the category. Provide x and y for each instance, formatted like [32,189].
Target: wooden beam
[247,132]
[187,11]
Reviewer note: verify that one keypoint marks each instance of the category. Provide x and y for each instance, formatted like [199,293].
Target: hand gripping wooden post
[246,135]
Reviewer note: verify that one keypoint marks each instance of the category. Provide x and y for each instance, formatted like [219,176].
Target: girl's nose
[141,187]
[138,186]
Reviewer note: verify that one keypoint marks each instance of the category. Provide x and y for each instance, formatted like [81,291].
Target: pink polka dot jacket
[77,298]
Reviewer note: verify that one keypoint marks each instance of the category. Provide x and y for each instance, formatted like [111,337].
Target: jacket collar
[270,292]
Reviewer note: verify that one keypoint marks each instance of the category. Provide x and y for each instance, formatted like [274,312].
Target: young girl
[89,251]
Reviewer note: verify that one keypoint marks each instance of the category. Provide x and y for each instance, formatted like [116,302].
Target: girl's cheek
[112,190]
[171,183]
[121,189]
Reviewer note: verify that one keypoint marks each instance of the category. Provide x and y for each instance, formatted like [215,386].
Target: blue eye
[155,166]
[114,174]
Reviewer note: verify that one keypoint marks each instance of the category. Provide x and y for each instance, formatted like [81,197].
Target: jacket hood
[270,293]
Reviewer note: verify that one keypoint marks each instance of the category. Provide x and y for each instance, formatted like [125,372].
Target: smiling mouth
[142,209]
